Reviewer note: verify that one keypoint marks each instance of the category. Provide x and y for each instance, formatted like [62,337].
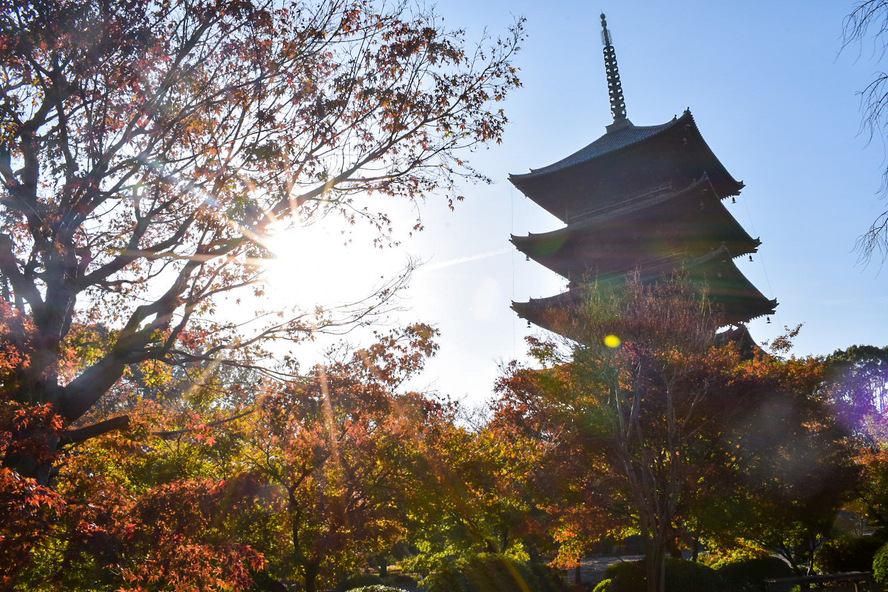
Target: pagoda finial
[614,88]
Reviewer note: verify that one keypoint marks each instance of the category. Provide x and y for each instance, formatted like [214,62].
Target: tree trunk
[310,570]
[655,565]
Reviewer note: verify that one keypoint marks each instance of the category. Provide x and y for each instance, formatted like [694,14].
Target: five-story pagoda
[639,198]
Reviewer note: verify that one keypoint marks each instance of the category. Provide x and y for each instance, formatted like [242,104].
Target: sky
[774,96]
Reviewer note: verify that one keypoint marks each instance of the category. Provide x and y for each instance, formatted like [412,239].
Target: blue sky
[775,99]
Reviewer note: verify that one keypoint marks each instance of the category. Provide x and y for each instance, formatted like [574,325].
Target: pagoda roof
[612,141]
[626,160]
[736,298]
[691,221]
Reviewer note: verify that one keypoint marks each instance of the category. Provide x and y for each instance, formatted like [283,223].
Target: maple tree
[791,460]
[306,486]
[573,484]
[146,147]
[340,447]
[475,494]
[665,415]
[659,391]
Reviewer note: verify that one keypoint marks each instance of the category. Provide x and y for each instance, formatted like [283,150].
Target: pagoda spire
[614,88]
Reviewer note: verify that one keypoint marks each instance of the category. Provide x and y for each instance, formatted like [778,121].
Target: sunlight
[328,263]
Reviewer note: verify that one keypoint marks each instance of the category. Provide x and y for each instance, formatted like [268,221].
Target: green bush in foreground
[747,575]
[625,576]
[847,553]
[358,581]
[681,576]
[488,572]
[690,576]
[376,588]
[880,565]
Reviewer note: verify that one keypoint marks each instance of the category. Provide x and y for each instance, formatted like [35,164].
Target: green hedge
[748,575]
[358,581]
[625,576]
[681,576]
[880,565]
[689,576]
[847,553]
[488,572]
[376,588]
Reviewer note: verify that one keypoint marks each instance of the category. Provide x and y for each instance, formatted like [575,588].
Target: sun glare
[328,264]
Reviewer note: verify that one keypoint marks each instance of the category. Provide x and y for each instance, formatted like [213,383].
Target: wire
[761,258]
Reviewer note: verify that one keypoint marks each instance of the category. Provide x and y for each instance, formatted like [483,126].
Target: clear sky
[772,94]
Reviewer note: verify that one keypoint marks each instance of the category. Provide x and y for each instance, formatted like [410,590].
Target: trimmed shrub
[606,586]
[376,588]
[847,553]
[626,576]
[880,565]
[358,580]
[488,572]
[690,576]
[747,575]
[402,581]
[681,576]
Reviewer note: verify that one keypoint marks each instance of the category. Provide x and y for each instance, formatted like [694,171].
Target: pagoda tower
[639,198]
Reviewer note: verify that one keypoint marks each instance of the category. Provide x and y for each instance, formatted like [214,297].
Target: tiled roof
[612,141]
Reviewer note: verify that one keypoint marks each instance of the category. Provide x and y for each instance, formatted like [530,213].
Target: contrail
[452,262]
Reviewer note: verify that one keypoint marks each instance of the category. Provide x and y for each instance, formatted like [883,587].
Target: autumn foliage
[152,439]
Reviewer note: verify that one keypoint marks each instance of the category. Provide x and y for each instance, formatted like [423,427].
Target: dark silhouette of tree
[869,19]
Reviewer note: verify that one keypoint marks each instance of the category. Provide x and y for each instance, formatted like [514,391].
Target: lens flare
[612,341]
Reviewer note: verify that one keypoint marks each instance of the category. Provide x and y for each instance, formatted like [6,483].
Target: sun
[328,263]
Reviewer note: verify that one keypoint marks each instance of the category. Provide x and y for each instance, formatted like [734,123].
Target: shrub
[690,576]
[847,553]
[606,586]
[488,572]
[376,588]
[880,565]
[747,575]
[359,580]
[626,576]
[399,580]
[681,576]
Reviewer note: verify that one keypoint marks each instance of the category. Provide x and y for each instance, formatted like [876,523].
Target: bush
[847,553]
[488,572]
[690,576]
[606,586]
[681,576]
[747,575]
[880,565]
[626,576]
[402,581]
[359,580]
[376,588]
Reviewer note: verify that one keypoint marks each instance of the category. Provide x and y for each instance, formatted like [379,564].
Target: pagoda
[645,199]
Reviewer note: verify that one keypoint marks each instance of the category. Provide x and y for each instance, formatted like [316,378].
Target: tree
[649,382]
[858,389]
[858,378]
[870,17]
[573,483]
[679,432]
[793,461]
[475,494]
[146,148]
[339,448]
